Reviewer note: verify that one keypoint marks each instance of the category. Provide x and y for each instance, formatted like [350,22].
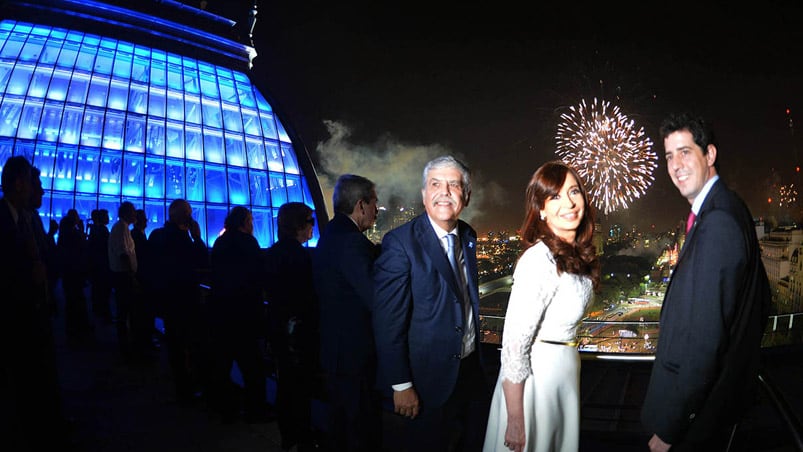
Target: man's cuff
[402,386]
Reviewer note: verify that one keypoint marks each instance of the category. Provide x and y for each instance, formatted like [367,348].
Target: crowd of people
[388,334]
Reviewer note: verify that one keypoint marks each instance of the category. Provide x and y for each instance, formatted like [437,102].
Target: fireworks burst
[614,158]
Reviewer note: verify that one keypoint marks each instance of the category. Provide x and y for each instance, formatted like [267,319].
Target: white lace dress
[542,306]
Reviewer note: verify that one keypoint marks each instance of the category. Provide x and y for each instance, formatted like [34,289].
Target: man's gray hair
[447,161]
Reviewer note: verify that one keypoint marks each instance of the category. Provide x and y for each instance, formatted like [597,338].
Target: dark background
[377,89]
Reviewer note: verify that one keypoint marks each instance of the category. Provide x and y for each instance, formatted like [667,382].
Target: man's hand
[658,445]
[405,403]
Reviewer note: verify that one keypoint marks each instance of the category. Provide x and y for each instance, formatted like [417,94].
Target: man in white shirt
[123,263]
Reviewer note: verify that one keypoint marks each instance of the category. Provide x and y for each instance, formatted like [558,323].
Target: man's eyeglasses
[311,221]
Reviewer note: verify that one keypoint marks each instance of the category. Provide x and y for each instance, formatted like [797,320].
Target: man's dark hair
[236,218]
[700,130]
[349,189]
[293,216]
[14,168]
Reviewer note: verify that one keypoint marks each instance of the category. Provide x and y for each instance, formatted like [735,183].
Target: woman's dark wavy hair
[578,258]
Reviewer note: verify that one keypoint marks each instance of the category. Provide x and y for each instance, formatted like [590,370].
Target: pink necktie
[690,221]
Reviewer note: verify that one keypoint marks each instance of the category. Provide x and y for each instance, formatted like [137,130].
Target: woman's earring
[543,217]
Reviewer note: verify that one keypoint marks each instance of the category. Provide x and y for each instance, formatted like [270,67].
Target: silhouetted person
[236,318]
[123,264]
[45,241]
[100,276]
[293,323]
[29,393]
[143,335]
[342,268]
[178,254]
[72,246]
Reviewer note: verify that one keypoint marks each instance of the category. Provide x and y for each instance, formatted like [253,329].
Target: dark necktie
[451,254]
[690,221]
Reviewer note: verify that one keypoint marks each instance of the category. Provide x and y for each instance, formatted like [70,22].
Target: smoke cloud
[395,167]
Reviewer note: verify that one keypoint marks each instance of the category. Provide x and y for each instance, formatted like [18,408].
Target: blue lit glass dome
[107,121]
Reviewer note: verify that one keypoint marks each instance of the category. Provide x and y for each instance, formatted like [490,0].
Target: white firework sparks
[612,155]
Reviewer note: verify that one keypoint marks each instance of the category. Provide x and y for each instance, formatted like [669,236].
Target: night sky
[379,90]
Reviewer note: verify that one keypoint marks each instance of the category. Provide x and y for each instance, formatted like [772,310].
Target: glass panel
[98,90]
[118,95]
[260,189]
[158,69]
[111,173]
[12,47]
[246,95]
[60,204]
[20,78]
[227,91]
[278,194]
[25,149]
[209,85]
[263,227]
[10,116]
[155,141]
[29,120]
[5,75]
[133,174]
[141,68]
[68,54]
[256,154]
[85,204]
[274,156]
[251,122]
[154,178]
[86,174]
[51,122]
[195,182]
[64,171]
[86,58]
[193,145]
[238,186]
[262,104]
[110,205]
[175,140]
[50,54]
[113,131]
[191,83]
[213,146]
[44,158]
[135,133]
[268,126]
[156,213]
[232,119]
[79,87]
[32,49]
[71,124]
[215,219]
[39,82]
[192,109]
[216,189]
[211,113]
[174,179]
[104,61]
[174,77]
[156,102]
[282,133]
[235,150]
[289,157]
[58,85]
[92,128]
[294,191]
[138,99]
[122,65]
[175,105]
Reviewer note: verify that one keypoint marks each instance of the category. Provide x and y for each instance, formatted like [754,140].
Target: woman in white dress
[536,403]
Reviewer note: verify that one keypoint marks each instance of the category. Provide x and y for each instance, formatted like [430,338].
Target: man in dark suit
[30,402]
[705,373]
[342,271]
[425,320]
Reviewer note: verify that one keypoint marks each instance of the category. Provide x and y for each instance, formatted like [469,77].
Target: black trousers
[457,425]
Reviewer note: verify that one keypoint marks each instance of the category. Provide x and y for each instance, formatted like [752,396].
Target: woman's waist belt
[569,343]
